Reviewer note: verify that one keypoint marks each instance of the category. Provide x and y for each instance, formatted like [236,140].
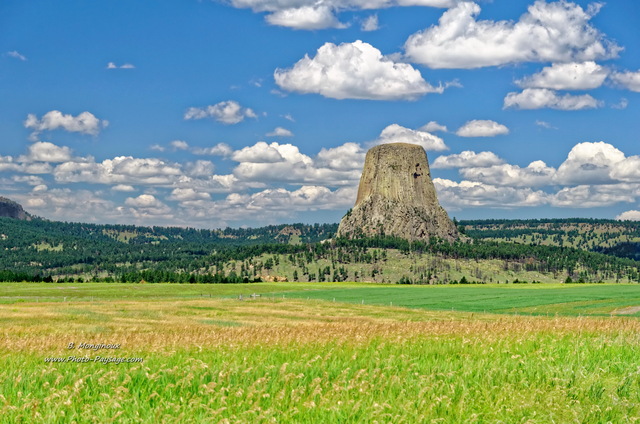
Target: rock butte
[11,209]
[396,197]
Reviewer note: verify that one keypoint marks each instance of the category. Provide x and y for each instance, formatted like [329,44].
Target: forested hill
[40,246]
[501,250]
[41,232]
[582,233]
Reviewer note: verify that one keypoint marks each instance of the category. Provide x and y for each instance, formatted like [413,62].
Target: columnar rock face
[11,209]
[396,197]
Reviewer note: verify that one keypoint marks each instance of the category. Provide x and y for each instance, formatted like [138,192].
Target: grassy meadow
[540,354]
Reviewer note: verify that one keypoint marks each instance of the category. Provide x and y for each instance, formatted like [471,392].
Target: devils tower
[396,197]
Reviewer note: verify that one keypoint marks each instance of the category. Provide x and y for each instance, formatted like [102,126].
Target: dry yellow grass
[168,325]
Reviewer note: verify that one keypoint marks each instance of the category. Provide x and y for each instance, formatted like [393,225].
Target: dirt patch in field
[627,311]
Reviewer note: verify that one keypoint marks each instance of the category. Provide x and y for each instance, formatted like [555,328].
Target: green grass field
[543,299]
[272,359]
[40,292]
[597,299]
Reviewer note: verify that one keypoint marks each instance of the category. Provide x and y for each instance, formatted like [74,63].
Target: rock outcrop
[396,197]
[11,209]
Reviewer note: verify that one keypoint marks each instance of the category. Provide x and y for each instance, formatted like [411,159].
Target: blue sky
[254,112]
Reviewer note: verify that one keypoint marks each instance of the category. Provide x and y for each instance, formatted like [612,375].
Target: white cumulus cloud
[228,112]
[7,163]
[199,168]
[285,163]
[119,170]
[433,126]
[354,71]
[304,198]
[627,169]
[179,145]
[567,76]
[28,179]
[280,132]
[69,205]
[482,128]
[220,149]
[628,80]
[261,152]
[536,174]
[143,201]
[370,24]
[147,206]
[123,188]
[589,163]
[632,215]
[467,159]
[549,32]
[184,194]
[313,15]
[85,123]
[539,98]
[592,196]
[43,151]
[395,133]
[347,157]
[317,16]
[457,195]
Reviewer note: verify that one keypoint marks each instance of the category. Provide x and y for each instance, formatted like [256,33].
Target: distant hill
[11,209]
[502,250]
[581,233]
[62,248]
